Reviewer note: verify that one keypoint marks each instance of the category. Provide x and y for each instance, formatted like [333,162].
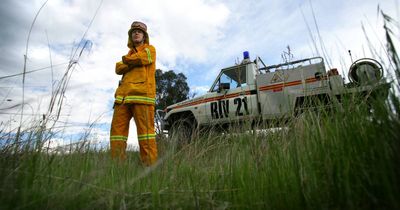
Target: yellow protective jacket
[138,83]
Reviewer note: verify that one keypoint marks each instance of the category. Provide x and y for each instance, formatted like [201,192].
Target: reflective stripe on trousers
[135,99]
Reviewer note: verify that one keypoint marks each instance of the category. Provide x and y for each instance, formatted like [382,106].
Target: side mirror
[223,86]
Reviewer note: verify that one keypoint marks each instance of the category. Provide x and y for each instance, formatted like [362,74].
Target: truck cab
[231,98]
[233,95]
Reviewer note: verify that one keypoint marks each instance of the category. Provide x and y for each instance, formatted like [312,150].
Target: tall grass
[338,159]
[348,160]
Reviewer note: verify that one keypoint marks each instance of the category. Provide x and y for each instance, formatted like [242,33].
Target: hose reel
[365,71]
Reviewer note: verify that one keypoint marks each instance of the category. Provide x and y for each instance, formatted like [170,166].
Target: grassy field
[345,159]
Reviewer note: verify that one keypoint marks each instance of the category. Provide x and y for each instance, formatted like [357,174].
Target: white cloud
[185,30]
[199,90]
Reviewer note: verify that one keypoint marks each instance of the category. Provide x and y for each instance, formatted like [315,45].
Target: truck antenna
[287,56]
[351,58]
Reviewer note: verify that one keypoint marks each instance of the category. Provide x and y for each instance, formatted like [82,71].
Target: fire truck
[252,92]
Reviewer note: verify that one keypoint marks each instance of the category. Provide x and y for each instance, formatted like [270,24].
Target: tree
[171,88]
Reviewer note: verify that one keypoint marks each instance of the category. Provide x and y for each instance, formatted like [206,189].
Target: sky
[195,37]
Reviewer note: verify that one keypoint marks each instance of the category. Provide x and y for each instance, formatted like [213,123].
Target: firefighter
[135,97]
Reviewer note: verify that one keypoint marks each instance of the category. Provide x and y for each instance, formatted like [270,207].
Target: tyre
[182,131]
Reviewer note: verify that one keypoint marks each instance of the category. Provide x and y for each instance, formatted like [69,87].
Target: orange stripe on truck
[280,86]
[228,96]
[274,88]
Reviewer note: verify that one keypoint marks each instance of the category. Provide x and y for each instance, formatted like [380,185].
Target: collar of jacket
[140,48]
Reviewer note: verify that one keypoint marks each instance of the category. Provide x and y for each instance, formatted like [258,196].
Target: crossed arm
[131,60]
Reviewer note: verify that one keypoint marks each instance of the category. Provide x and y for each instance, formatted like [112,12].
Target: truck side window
[226,79]
[235,76]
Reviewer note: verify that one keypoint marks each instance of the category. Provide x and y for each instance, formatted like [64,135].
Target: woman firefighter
[135,97]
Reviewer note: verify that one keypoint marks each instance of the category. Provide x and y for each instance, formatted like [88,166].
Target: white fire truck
[253,92]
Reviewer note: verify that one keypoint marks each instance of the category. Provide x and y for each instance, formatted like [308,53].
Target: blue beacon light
[246,55]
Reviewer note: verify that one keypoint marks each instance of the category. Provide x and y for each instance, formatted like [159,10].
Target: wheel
[182,131]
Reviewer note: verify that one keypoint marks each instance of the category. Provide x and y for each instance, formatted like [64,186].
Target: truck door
[229,98]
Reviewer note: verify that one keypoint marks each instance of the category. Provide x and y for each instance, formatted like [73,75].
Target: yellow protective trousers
[144,119]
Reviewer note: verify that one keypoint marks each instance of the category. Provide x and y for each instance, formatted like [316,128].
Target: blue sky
[196,37]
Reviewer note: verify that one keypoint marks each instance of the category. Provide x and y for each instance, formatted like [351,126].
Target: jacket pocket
[137,88]
[136,76]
